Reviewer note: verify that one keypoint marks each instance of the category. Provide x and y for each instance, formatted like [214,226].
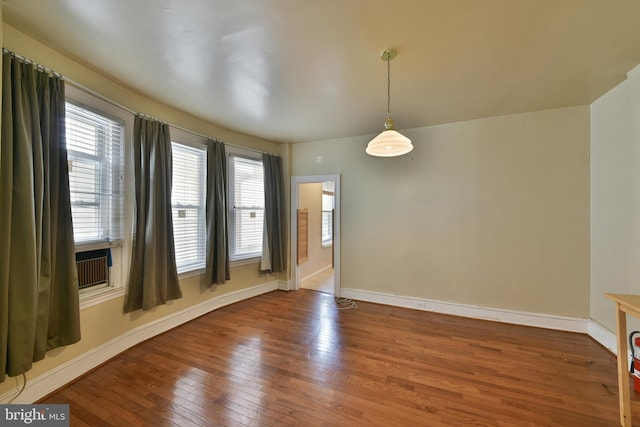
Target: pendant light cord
[390,142]
[388,86]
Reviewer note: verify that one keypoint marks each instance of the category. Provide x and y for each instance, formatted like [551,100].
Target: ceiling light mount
[389,143]
[388,54]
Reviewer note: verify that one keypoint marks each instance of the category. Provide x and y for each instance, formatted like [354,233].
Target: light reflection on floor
[245,390]
[325,353]
[252,360]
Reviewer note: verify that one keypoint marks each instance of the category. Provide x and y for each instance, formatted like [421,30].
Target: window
[188,206]
[246,207]
[95,153]
[327,214]
[94,149]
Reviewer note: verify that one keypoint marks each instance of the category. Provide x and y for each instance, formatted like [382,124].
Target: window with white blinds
[95,159]
[327,218]
[188,205]
[246,207]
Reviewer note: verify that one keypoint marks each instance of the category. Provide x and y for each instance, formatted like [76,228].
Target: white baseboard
[284,285]
[604,336]
[315,273]
[499,315]
[52,380]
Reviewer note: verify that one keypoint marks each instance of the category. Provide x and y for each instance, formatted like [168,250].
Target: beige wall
[104,322]
[310,197]
[491,212]
[615,197]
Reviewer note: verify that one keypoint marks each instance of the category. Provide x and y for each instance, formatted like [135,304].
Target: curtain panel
[39,302]
[274,257]
[217,261]
[153,276]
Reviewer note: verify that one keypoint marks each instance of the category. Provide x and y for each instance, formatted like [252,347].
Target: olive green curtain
[153,277]
[39,307]
[274,236]
[217,262]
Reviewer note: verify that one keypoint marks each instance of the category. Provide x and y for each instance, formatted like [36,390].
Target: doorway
[315,233]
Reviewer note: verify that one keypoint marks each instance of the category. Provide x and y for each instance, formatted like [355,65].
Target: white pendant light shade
[389,143]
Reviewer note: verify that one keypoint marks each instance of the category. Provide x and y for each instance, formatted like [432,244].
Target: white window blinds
[246,207]
[188,206]
[327,218]
[95,155]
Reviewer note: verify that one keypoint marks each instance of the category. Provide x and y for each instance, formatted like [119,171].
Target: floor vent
[93,267]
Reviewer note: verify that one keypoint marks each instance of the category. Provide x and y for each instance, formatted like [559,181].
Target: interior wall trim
[315,273]
[604,336]
[52,380]
[547,321]
[284,285]
[47,383]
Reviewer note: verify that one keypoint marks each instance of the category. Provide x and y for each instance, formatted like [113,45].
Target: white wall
[615,197]
[491,212]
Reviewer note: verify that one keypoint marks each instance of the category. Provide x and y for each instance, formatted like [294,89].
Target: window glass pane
[188,207]
[327,202]
[94,149]
[327,227]
[246,207]
[248,232]
[327,213]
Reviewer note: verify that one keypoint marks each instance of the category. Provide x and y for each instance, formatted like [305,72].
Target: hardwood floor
[322,282]
[293,358]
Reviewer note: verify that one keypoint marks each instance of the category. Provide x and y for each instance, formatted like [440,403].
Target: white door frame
[295,270]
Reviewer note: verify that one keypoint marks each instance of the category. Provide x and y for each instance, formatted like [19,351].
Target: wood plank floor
[294,358]
[322,282]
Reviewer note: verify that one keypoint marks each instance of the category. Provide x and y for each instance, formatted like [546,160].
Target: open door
[327,222]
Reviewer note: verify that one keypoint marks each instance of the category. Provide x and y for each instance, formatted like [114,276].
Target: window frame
[120,248]
[115,233]
[330,212]
[194,143]
[231,152]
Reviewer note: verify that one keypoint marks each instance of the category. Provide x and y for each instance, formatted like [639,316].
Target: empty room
[420,212]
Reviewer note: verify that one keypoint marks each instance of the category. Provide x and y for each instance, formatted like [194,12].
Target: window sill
[98,296]
[90,246]
[190,273]
[244,261]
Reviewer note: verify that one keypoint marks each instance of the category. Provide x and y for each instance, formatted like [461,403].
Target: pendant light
[389,143]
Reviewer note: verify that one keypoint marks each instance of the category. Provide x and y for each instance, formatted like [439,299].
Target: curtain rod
[29,61]
[122,107]
[255,150]
[135,113]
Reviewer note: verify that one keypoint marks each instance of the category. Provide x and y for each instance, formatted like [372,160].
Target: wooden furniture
[303,235]
[625,304]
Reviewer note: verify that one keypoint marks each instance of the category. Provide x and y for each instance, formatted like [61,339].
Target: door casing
[295,270]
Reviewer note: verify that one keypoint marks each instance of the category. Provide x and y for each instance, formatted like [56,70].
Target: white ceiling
[305,70]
